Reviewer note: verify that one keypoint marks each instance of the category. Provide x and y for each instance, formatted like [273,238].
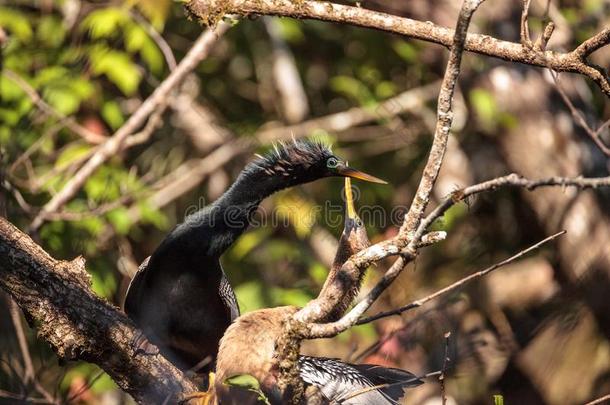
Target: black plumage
[180,297]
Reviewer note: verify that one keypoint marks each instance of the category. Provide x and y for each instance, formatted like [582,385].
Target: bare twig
[592,44]
[28,366]
[321,10]
[166,50]
[595,135]
[600,400]
[409,100]
[525,31]
[198,52]
[511,180]
[459,283]
[543,40]
[441,378]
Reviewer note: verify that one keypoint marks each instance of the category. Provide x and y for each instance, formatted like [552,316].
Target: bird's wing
[338,380]
[134,288]
[227,294]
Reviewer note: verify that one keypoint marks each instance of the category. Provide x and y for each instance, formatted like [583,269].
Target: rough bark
[57,299]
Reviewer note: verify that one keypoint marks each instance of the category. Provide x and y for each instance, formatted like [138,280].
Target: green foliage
[405,50]
[498,399]
[112,114]
[488,111]
[353,88]
[247,382]
[105,22]
[101,382]
[253,295]
[16,23]
[291,30]
[117,66]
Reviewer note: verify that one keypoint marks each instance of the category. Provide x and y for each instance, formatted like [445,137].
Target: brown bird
[248,346]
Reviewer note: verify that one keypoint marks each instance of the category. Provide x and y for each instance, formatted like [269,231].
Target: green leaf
[137,40]
[290,30]
[353,88]
[243,381]
[16,23]
[9,90]
[117,66]
[71,153]
[50,75]
[485,106]
[318,272]
[112,114]
[156,11]
[247,242]
[248,382]
[93,225]
[498,399]
[290,296]
[152,215]
[105,22]
[135,37]
[119,218]
[250,294]
[51,31]
[405,50]
[385,89]
[62,99]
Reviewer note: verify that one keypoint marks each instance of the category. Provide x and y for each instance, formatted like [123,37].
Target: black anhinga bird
[180,297]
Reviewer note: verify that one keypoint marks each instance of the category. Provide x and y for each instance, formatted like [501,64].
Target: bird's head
[302,161]
[354,230]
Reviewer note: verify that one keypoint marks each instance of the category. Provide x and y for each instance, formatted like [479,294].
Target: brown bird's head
[354,231]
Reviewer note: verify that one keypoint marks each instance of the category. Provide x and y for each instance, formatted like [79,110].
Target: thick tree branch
[56,297]
[574,62]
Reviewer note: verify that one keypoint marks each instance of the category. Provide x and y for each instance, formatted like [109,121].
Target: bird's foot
[142,345]
[202,397]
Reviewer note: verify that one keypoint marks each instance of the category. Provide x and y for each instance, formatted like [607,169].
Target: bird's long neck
[214,228]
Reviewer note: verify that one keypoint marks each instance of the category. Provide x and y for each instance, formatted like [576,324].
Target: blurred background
[536,332]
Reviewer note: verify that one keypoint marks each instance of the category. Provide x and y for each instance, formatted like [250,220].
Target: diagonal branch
[157,101]
[592,44]
[459,283]
[573,62]
[410,230]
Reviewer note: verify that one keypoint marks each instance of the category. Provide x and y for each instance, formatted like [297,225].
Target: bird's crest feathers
[298,152]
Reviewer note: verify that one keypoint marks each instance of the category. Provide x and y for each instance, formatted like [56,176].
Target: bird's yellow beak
[349,199]
[347,171]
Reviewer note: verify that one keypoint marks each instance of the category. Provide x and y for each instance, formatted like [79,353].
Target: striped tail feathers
[356,383]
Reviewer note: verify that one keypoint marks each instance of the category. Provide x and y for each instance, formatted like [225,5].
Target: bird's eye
[332,163]
[358,222]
